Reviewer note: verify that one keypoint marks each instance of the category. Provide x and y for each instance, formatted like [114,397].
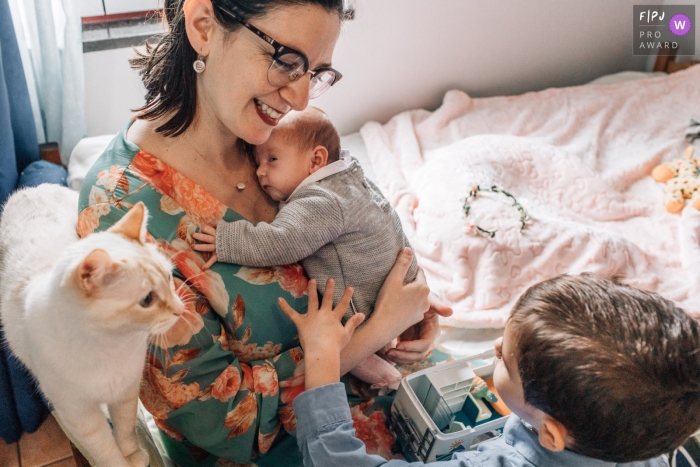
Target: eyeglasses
[289,65]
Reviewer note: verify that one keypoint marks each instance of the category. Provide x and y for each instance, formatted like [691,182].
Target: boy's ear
[552,434]
[318,159]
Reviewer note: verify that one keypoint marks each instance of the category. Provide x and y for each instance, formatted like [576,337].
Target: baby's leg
[88,425]
[124,420]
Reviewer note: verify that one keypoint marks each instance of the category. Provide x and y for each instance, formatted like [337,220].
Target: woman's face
[235,94]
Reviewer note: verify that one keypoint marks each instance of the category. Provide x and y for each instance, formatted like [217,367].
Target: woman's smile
[268,114]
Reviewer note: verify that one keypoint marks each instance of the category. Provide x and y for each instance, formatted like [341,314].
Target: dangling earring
[199,65]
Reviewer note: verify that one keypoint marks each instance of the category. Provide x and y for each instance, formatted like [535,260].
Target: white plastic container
[427,403]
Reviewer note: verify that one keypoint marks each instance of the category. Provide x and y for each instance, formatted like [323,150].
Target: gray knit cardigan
[340,227]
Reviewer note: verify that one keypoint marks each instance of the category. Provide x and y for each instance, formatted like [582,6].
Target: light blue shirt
[326,438]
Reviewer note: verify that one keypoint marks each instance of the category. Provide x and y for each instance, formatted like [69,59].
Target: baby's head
[601,368]
[302,143]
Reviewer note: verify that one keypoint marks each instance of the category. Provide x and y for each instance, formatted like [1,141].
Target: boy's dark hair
[312,127]
[617,366]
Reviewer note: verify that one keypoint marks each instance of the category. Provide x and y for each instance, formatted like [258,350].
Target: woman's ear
[318,159]
[199,24]
[552,434]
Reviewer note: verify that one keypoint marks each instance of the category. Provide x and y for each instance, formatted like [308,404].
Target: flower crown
[473,228]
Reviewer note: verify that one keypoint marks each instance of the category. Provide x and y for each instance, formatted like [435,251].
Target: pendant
[240,186]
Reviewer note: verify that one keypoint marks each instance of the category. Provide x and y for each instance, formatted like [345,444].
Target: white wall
[403,54]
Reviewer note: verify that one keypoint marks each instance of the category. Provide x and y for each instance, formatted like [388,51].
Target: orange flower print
[169,206]
[291,277]
[265,439]
[247,377]
[175,393]
[190,264]
[185,229]
[98,196]
[165,428]
[226,384]
[89,219]
[242,417]
[288,418]
[110,178]
[238,311]
[265,380]
[374,432]
[199,205]
[296,354]
[291,389]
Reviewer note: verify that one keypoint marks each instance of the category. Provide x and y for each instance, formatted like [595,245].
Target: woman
[221,382]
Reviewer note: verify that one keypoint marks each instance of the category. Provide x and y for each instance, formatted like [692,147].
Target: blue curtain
[21,406]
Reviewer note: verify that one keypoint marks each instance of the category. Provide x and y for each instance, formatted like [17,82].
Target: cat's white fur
[74,313]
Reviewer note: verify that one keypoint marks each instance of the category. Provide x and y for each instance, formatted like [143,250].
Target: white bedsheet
[578,157]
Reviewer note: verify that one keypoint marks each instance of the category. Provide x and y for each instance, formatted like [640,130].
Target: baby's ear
[133,224]
[318,159]
[93,270]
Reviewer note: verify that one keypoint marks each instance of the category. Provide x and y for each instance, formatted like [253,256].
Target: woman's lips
[266,118]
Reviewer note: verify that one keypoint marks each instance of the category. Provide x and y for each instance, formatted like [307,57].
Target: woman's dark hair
[617,366]
[166,68]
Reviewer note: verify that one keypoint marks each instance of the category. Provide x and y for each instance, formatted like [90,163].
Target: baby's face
[281,166]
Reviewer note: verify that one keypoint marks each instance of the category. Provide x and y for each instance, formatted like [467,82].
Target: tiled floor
[48,446]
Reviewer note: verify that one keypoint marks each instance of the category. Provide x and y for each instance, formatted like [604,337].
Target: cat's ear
[93,270]
[133,224]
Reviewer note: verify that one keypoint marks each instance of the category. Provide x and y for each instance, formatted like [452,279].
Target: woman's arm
[399,306]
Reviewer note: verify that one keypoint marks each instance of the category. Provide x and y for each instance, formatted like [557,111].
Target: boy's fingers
[288,310]
[328,293]
[354,322]
[344,301]
[313,295]
[204,247]
[208,230]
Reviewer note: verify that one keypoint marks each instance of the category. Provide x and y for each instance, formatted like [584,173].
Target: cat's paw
[138,458]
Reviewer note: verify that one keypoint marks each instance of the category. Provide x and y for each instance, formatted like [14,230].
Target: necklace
[240,185]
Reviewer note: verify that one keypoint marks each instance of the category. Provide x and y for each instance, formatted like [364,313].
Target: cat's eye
[147,300]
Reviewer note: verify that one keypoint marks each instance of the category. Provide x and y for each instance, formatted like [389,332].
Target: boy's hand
[321,333]
[207,239]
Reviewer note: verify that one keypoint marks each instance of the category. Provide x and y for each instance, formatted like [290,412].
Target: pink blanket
[578,158]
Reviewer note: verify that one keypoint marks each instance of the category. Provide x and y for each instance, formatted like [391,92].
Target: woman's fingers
[403,262]
[439,307]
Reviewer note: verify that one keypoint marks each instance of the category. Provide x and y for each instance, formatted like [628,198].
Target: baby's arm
[299,230]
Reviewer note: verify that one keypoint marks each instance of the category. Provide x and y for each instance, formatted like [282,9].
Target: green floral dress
[221,382]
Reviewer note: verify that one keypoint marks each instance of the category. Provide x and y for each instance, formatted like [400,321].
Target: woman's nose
[297,93]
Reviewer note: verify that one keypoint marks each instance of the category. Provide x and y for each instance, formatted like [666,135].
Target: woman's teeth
[267,110]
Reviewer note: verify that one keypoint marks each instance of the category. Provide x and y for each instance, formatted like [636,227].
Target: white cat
[78,313]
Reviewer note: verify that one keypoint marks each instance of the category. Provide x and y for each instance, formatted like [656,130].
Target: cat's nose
[179,310]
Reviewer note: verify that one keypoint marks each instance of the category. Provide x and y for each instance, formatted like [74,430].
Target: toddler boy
[596,373]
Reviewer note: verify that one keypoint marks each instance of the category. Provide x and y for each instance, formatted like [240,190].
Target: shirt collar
[527,443]
[343,163]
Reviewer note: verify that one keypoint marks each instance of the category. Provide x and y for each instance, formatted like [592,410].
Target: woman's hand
[321,333]
[416,342]
[207,239]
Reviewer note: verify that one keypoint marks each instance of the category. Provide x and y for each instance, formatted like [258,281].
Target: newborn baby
[332,219]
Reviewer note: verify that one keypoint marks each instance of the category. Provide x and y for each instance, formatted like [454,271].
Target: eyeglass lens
[289,67]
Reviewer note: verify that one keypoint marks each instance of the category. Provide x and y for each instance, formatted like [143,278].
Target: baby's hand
[322,334]
[207,239]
